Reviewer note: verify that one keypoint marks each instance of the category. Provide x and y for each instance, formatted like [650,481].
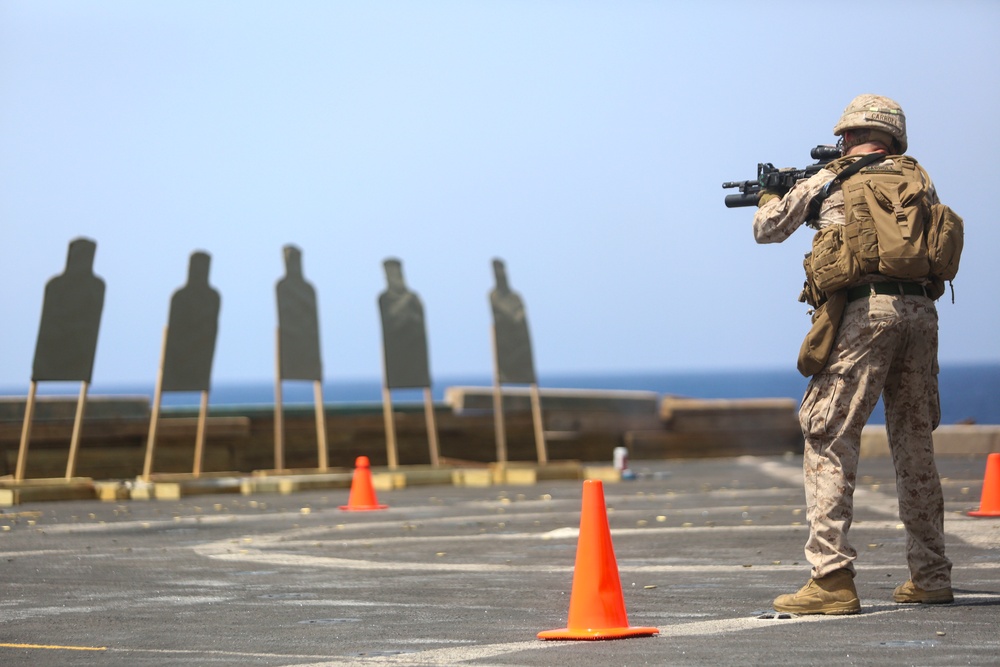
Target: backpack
[945,239]
[891,228]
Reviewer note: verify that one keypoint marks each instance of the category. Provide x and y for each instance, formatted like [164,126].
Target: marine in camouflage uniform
[886,345]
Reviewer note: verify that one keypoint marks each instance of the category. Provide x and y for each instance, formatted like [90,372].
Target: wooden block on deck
[175,487]
[285,484]
[560,470]
[426,475]
[602,473]
[40,490]
[388,481]
[523,474]
[517,476]
[111,491]
[472,477]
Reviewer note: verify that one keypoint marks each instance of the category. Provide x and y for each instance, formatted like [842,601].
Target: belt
[899,289]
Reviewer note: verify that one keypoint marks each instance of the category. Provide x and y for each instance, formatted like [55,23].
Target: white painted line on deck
[465,654]
[442,656]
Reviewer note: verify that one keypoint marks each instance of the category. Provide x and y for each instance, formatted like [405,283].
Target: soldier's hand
[767,195]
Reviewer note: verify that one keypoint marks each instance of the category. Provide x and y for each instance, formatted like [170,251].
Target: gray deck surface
[466,576]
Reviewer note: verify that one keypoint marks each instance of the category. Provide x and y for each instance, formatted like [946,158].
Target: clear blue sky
[582,142]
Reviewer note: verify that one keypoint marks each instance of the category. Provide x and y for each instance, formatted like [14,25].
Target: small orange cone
[362,492]
[596,605]
[989,505]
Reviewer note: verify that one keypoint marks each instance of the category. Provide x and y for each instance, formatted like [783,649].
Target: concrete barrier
[951,440]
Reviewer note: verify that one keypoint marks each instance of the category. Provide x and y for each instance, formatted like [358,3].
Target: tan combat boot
[909,592]
[833,594]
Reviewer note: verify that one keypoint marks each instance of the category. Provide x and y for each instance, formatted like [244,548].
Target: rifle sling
[848,171]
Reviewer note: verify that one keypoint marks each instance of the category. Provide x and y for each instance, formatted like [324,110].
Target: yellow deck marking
[56,648]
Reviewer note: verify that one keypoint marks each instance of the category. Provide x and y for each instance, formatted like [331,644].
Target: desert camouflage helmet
[876,113]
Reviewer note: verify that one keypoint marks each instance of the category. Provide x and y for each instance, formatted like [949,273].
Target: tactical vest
[891,228]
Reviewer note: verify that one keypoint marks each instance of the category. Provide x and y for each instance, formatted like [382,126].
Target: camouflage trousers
[886,345]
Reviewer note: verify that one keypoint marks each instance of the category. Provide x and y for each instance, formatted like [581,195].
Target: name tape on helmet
[883,115]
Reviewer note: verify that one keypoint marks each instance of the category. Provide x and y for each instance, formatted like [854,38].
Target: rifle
[781,180]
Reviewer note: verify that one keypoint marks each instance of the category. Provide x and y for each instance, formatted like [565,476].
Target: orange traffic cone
[989,505]
[362,492]
[596,605]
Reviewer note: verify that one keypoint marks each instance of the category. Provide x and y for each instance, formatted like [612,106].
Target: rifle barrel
[780,180]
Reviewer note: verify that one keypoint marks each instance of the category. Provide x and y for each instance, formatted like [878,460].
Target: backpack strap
[846,173]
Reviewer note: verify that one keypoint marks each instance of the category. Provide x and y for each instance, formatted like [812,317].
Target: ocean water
[969,393]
